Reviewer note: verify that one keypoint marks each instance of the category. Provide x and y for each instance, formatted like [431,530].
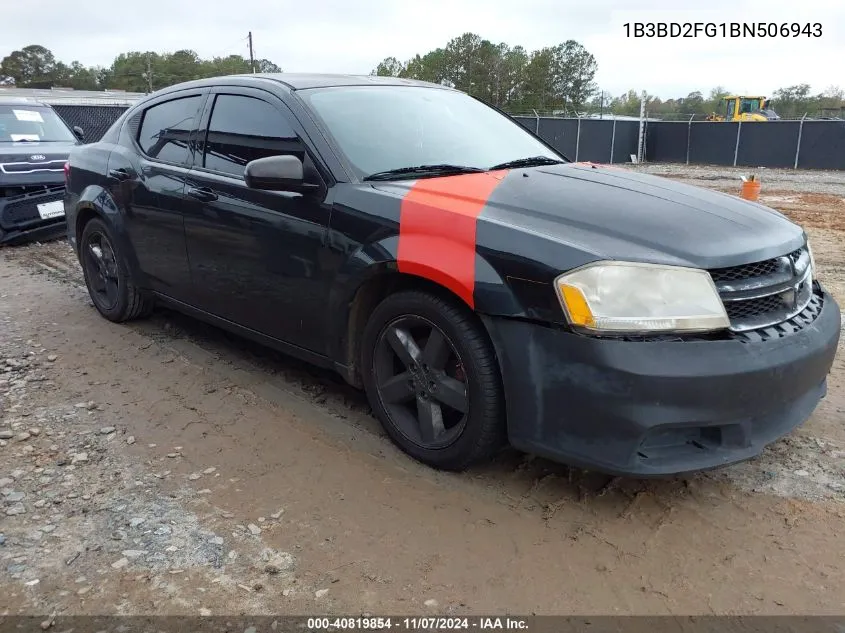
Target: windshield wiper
[423,170]
[531,161]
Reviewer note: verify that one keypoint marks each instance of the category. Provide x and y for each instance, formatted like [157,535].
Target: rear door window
[166,129]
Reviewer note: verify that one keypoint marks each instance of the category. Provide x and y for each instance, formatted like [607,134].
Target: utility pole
[641,135]
[251,57]
[149,74]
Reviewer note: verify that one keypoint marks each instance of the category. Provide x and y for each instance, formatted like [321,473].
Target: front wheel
[433,381]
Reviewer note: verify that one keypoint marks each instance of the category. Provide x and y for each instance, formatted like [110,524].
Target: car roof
[21,101]
[302,81]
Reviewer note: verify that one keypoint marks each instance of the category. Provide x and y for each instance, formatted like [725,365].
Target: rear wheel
[110,285]
[432,379]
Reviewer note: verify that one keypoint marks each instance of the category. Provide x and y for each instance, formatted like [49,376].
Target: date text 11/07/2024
[723,29]
[416,623]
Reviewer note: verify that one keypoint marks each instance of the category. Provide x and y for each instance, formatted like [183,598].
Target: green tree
[430,67]
[266,66]
[134,71]
[231,65]
[692,104]
[629,103]
[714,102]
[76,76]
[29,66]
[179,66]
[389,67]
[793,100]
[575,69]
[550,78]
[137,72]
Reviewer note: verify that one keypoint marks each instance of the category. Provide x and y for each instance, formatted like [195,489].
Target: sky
[353,36]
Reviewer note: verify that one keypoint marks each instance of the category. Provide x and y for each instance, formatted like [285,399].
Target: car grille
[24,167]
[765,293]
[21,209]
[779,330]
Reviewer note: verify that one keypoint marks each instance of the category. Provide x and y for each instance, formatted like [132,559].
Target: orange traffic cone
[750,188]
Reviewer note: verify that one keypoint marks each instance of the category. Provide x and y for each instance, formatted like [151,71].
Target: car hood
[617,213]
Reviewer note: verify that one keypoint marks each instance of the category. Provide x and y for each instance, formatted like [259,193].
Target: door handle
[119,174]
[202,193]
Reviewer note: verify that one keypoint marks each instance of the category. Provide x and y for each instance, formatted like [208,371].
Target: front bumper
[649,408]
[20,221]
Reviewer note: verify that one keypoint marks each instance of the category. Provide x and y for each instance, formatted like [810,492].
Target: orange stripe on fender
[437,229]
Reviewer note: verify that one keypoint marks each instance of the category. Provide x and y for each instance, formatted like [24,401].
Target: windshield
[32,123]
[381,128]
[750,105]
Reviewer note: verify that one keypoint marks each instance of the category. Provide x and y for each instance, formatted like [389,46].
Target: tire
[114,292]
[465,431]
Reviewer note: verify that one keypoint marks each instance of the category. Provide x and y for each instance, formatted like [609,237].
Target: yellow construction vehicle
[741,108]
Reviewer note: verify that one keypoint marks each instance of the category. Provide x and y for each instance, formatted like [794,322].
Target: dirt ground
[167,467]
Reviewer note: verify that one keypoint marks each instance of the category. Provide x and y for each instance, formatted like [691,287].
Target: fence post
[736,148]
[689,134]
[577,137]
[798,144]
[641,135]
[537,128]
[612,139]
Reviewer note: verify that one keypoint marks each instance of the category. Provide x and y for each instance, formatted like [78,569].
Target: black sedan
[479,286]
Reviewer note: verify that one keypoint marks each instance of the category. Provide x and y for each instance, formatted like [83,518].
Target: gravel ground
[79,508]
[717,177]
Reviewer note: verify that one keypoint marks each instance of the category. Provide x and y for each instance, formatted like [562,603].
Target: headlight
[617,297]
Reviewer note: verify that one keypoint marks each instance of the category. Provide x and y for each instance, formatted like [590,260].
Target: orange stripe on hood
[437,229]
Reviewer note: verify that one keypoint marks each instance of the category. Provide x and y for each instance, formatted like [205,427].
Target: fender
[374,269]
[433,230]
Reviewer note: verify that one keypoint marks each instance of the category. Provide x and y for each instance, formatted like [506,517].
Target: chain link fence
[809,144]
[95,120]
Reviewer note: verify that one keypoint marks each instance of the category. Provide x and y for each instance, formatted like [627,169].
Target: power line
[234,44]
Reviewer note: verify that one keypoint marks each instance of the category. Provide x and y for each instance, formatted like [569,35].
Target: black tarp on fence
[750,144]
[822,145]
[593,142]
[667,143]
[769,144]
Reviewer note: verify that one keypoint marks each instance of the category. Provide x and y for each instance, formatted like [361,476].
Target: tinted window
[166,128]
[243,129]
[387,127]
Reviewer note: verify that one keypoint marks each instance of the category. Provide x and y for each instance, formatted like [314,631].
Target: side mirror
[79,132]
[277,173]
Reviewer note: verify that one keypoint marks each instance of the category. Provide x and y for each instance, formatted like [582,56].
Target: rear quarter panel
[88,193]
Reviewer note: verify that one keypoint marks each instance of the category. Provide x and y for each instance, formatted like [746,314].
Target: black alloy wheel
[421,382]
[432,379]
[101,270]
[115,294]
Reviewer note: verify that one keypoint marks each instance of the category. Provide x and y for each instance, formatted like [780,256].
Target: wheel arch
[97,202]
[382,282]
